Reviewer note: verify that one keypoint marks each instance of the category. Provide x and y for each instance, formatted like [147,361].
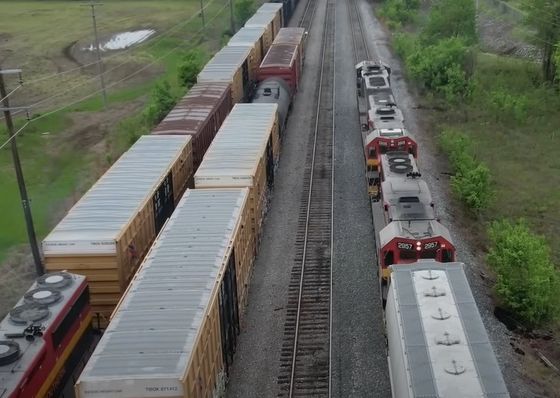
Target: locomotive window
[371,152]
[407,255]
[389,258]
[428,254]
[60,332]
[446,256]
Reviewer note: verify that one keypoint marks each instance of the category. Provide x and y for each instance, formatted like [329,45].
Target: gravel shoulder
[359,363]
[256,362]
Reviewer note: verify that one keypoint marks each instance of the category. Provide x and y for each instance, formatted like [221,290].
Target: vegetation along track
[359,42]
[305,358]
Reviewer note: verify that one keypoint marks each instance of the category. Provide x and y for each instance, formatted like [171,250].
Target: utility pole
[232,21]
[99,63]
[202,14]
[19,173]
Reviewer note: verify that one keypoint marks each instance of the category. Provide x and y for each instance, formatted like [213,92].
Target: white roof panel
[93,224]
[152,334]
[224,64]
[246,36]
[261,19]
[239,145]
[270,7]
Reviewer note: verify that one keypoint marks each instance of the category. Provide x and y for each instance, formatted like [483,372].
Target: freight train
[108,233]
[437,343]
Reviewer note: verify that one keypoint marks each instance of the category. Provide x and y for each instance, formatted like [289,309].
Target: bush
[190,67]
[440,68]
[244,9]
[405,44]
[527,280]
[161,102]
[506,106]
[400,11]
[451,18]
[472,181]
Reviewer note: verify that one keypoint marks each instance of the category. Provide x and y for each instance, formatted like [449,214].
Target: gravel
[359,363]
[257,360]
[433,164]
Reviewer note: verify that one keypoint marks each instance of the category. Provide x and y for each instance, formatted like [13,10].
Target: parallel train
[437,343]
[108,234]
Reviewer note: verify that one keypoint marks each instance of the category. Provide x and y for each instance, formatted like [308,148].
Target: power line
[11,92]
[108,86]
[150,43]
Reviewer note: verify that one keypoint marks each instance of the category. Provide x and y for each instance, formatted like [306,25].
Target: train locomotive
[45,339]
[404,216]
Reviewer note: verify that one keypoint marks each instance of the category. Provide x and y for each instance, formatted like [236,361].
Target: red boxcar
[292,36]
[200,114]
[283,61]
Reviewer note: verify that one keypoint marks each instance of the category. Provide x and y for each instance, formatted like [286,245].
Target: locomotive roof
[394,190]
[386,117]
[446,347]
[373,68]
[11,375]
[239,145]
[408,211]
[93,224]
[193,109]
[247,36]
[414,230]
[391,175]
[381,98]
[387,133]
[224,64]
[154,329]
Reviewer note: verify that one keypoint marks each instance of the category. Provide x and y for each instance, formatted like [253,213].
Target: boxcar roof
[238,146]
[247,36]
[224,64]
[93,224]
[280,55]
[154,329]
[445,343]
[270,7]
[289,36]
[192,111]
[261,19]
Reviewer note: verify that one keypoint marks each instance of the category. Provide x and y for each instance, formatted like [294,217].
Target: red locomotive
[45,338]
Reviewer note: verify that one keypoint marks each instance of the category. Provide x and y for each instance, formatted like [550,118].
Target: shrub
[451,18]
[527,280]
[440,68]
[190,67]
[161,102]
[399,11]
[405,44]
[244,9]
[472,180]
[506,106]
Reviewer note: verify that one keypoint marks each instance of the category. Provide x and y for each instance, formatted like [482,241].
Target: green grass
[57,166]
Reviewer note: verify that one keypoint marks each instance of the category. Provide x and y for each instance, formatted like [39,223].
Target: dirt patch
[18,273]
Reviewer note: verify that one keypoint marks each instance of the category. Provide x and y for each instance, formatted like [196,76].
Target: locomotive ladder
[305,368]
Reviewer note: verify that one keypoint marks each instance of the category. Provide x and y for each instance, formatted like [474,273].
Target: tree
[527,280]
[544,17]
[451,18]
[244,9]
[161,102]
[190,67]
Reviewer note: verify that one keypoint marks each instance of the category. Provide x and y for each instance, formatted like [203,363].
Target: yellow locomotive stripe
[60,361]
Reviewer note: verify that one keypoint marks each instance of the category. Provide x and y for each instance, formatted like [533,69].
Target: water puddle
[123,40]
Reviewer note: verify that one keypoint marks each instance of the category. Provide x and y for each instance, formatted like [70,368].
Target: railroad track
[305,368]
[359,42]
[308,13]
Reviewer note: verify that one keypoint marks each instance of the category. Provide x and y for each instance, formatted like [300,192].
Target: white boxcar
[438,346]
[244,154]
[174,332]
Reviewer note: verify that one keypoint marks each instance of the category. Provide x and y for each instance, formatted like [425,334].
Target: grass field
[63,154]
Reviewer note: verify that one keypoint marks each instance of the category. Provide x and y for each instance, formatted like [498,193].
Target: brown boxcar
[282,60]
[108,232]
[292,36]
[199,114]
[244,154]
[181,313]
